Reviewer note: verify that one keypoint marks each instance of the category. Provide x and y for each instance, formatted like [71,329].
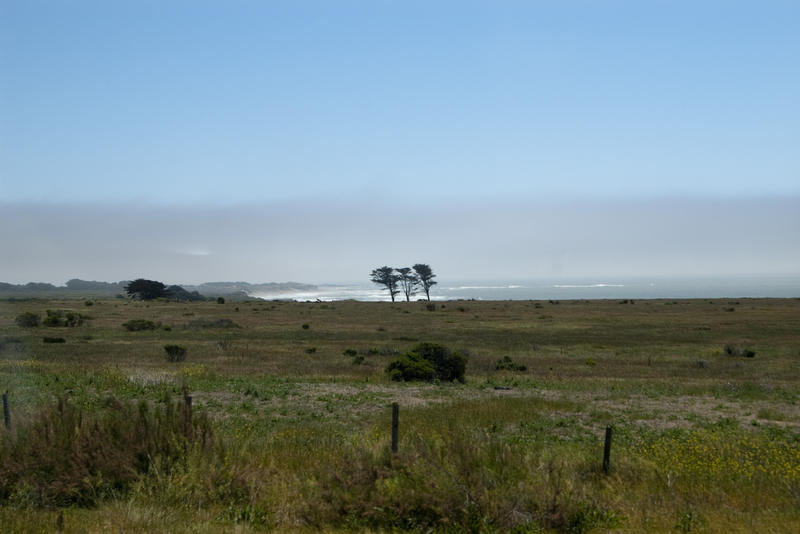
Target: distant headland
[77,288]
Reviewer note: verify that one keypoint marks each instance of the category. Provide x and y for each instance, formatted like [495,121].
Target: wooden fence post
[607,450]
[395,425]
[187,415]
[6,410]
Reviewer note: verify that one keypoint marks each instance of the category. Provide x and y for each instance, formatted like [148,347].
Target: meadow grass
[704,440]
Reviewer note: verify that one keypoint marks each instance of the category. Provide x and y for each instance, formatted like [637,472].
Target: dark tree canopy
[146,289]
[425,278]
[408,282]
[386,277]
[180,294]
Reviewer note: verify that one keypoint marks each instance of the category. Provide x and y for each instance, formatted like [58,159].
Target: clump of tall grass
[456,480]
[67,455]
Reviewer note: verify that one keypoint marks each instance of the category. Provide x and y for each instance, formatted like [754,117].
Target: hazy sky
[314,141]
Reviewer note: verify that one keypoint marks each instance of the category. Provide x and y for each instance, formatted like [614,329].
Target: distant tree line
[405,280]
[151,289]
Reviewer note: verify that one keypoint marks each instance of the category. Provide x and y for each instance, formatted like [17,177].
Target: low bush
[53,340]
[175,353]
[137,325]
[411,367]
[350,352]
[449,365]
[427,361]
[306,326]
[507,364]
[63,318]
[733,350]
[27,320]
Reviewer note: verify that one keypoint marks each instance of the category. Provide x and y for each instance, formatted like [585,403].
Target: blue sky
[255,101]
[377,103]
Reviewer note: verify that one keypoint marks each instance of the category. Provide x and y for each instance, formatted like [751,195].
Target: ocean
[566,289]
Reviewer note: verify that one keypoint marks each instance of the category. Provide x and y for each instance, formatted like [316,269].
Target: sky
[314,141]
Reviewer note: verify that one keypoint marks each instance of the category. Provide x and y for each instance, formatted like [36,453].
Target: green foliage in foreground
[496,466]
[67,455]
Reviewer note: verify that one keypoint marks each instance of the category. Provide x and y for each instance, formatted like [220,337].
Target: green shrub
[220,300]
[53,340]
[449,365]
[411,367]
[427,361]
[358,359]
[27,320]
[507,364]
[306,326]
[350,352]
[311,350]
[733,350]
[175,353]
[63,318]
[51,320]
[137,325]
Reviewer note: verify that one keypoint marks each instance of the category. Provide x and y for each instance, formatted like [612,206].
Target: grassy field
[291,417]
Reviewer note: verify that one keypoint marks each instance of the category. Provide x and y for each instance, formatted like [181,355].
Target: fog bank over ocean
[683,246]
[568,289]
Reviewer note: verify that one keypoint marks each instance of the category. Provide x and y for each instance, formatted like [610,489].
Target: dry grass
[304,439]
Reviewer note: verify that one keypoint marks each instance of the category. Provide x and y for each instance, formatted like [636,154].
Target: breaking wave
[587,285]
